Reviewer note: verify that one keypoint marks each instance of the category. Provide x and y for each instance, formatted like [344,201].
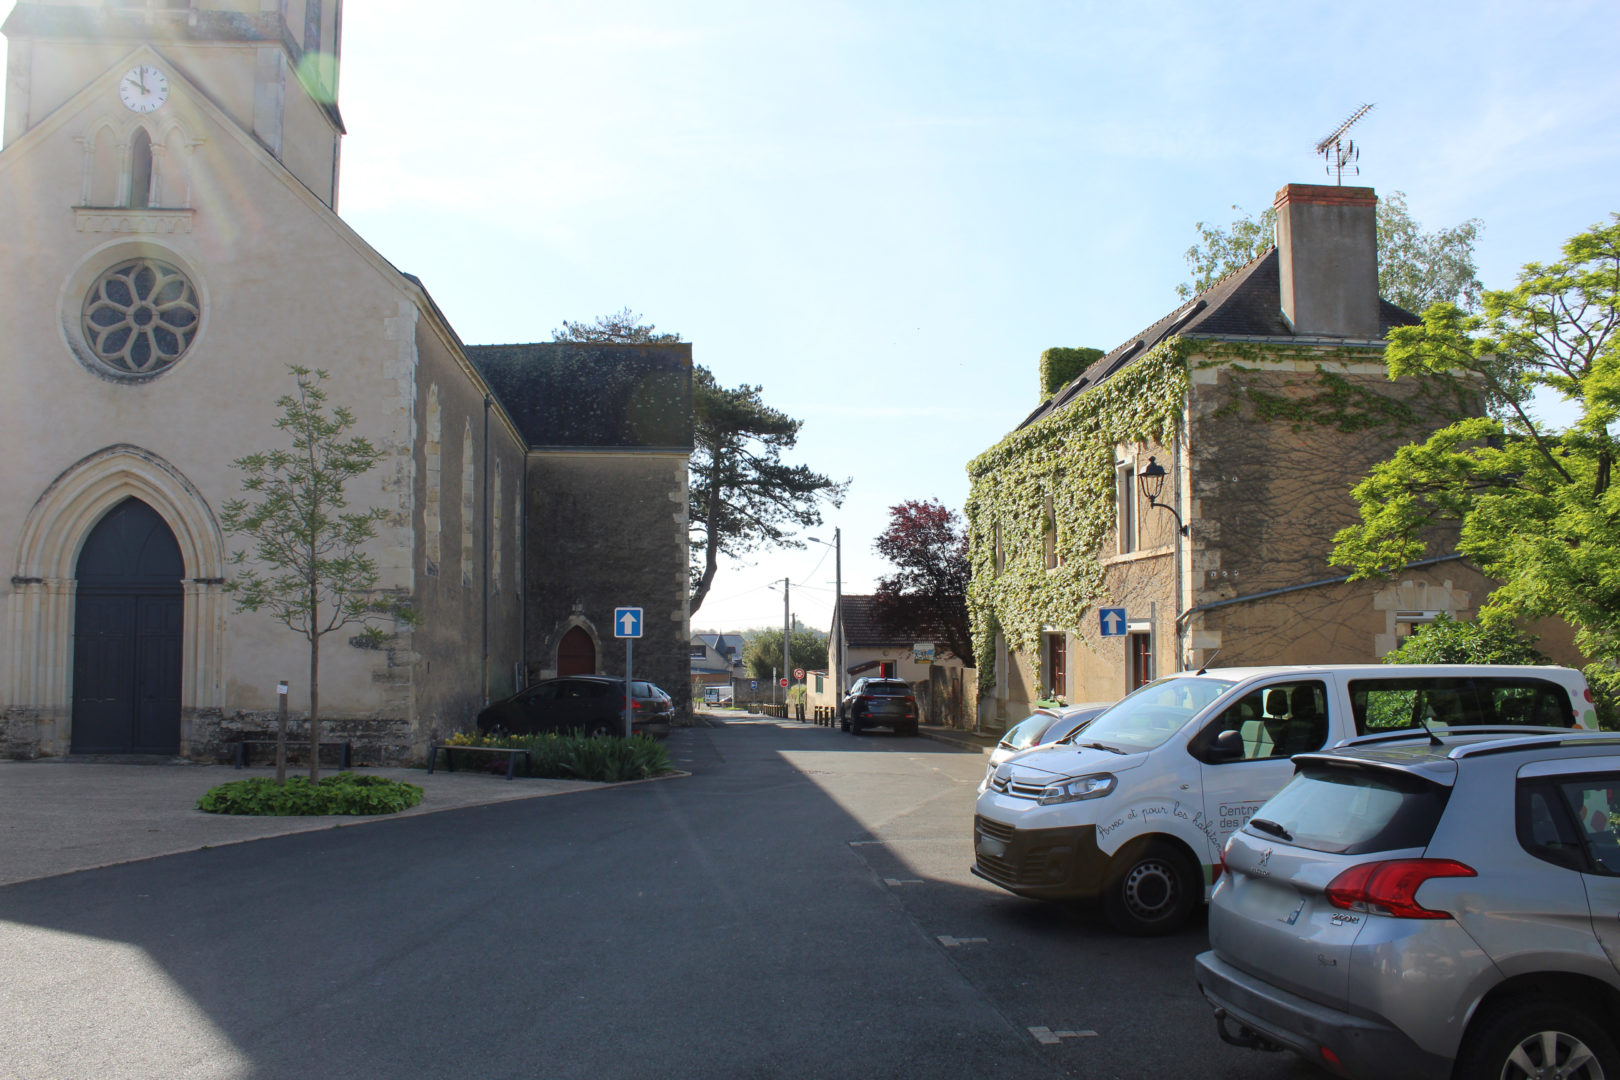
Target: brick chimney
[1327,243]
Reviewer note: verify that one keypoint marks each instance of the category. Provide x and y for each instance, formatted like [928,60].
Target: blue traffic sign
[1113,621]
[627,622]
[753,684]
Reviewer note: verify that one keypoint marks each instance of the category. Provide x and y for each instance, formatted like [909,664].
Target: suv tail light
[1390,888]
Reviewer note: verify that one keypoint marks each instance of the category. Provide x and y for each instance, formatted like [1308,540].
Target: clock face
[144,88]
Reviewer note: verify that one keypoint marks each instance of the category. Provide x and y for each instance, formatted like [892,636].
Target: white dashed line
[952,942]
[1047,1037]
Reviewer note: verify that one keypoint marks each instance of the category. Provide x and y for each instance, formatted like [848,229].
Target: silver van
[1135,810]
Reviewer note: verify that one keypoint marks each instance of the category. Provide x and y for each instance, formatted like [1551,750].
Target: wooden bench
[242,755]
[511,753]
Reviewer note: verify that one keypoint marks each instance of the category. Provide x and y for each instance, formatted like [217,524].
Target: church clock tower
[270,65]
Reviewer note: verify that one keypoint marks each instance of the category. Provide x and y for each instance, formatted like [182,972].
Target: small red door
[576,654]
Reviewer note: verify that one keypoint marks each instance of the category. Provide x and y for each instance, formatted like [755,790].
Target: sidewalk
[57,817]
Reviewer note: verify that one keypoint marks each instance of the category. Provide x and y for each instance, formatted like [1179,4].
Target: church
[168,185]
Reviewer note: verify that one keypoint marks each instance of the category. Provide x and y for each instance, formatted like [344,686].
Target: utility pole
[838,615]
[787,632]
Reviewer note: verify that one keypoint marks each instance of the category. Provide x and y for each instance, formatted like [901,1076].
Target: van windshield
[1153,713]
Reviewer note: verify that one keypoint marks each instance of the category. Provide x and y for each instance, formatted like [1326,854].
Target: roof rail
[1527,742]
[1415,732]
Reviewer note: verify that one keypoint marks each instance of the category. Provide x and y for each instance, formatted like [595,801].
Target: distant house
[873,645]
[716,661]
[1256,406]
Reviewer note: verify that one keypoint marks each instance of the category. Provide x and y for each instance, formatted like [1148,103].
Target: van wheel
[1535,1037]
[1150,891]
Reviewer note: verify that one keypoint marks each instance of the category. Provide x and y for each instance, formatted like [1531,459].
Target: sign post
[627,625]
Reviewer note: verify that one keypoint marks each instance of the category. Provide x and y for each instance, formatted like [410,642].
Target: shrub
[579,757]
[1450,641]
[345,793]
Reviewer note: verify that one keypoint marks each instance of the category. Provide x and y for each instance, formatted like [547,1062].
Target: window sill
[1138,556]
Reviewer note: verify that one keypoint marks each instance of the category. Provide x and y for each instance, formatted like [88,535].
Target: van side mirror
[1228,746]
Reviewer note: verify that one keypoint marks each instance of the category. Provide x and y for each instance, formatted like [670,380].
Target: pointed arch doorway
[127,640]
[576,653]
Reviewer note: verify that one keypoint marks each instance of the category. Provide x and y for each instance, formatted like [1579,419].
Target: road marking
[952,942]
[864,843]
[1047,1037]
[897,882]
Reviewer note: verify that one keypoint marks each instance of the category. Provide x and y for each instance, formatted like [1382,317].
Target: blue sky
[883,212]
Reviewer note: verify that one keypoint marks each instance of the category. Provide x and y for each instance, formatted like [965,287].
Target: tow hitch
[1245,1036]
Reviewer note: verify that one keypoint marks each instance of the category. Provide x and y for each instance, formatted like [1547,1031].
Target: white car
[1039,728]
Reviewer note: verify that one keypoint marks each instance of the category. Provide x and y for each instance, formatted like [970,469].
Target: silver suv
[1412,907]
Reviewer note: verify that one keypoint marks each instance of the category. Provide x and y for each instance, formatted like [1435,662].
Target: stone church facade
[167,184]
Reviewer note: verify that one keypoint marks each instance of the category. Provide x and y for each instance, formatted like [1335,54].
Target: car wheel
[855,727]
[910,729]
[1151,890]
[1535,1037]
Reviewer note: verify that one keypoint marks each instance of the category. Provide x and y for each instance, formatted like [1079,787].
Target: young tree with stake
[309,569]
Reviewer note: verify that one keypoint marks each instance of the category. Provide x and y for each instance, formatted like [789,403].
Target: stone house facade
[168,183]
[1263,400]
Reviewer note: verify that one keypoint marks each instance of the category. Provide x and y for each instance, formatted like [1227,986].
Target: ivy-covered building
[1264,400]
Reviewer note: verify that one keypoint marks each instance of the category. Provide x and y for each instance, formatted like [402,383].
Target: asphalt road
[800,906]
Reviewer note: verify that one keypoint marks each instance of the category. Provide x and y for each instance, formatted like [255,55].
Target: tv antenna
[1339,152]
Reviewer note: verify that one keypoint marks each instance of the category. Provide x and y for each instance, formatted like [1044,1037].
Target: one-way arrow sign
[1113,621]
[627,622]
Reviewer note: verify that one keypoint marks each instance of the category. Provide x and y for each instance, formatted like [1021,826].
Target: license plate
[990,846]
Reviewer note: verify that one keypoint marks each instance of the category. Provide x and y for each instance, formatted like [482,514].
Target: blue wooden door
[127,636]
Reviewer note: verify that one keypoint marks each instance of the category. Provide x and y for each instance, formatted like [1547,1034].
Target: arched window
[467,505]
[430,494]
[140,170]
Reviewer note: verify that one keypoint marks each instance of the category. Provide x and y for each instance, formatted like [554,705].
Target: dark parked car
[593,704]
[879,703]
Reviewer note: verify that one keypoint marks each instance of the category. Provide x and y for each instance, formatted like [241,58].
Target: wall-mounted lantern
[1151,478]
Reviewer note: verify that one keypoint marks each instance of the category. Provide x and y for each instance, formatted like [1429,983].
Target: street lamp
[1152,480]
[838,612]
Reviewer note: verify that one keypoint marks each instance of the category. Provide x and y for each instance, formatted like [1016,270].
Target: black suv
[879,703]
[592,704]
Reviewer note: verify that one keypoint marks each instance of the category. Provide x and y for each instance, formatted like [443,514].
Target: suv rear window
[1351,810]
[887,689]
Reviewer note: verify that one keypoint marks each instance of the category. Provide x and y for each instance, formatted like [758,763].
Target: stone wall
[607,530]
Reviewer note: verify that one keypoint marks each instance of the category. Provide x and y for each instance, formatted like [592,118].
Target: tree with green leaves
[743,496]
[762,651]
[1533,507]
[1453,641]
[309,568]
[1415,268]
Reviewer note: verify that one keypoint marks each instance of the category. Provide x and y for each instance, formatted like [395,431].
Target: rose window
[140,316]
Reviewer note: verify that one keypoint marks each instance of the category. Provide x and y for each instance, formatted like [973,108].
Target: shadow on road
[798,907]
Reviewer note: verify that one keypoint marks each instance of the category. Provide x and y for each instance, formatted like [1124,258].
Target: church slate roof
[1246,303]
[587,396]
